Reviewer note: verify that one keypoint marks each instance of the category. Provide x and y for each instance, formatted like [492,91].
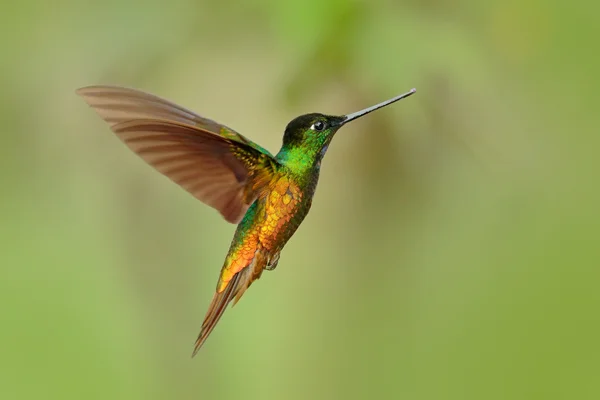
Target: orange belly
[265,231]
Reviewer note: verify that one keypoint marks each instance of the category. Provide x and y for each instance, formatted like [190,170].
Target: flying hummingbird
[267,195]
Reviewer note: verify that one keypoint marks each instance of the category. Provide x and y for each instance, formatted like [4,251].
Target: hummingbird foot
[273,262]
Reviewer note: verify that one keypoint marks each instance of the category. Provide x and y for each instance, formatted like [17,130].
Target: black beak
[351,117]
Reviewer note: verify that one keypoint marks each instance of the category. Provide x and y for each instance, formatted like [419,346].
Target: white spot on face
[318,126]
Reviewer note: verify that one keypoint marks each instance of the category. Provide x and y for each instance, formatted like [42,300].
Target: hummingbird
[267,196]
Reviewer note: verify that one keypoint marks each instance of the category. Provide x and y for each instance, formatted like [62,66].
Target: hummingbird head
[311,130]
[307,137]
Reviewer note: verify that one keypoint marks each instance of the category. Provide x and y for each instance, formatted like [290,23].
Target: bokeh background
[452,250]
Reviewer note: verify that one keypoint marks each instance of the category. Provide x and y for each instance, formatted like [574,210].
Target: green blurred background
[452,249]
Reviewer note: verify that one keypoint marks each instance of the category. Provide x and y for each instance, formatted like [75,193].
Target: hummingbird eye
[318,126]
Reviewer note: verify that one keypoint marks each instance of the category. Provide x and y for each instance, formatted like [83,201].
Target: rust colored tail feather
[234,291]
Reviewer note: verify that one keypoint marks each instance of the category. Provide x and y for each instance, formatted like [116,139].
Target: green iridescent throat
[305,157]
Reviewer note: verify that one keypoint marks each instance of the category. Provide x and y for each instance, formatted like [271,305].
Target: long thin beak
[358,114]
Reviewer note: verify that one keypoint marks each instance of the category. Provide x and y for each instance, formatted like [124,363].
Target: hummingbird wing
[214,163]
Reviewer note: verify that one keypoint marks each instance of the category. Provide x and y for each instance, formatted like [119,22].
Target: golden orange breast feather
[278,209]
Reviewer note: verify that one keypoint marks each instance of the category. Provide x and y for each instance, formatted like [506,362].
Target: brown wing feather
[118,104]
[220,171]
[206,165]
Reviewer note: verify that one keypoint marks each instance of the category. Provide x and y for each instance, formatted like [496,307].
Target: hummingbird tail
[233,291]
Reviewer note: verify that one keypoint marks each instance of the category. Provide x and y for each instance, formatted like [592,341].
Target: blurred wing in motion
[214,163]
